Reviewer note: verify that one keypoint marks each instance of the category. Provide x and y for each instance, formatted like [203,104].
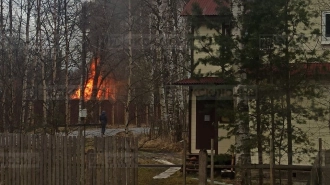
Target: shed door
[206,127]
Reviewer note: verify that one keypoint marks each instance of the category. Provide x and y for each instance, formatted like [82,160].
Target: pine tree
[272,50]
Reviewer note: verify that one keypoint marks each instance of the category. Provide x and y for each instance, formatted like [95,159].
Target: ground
[150,151]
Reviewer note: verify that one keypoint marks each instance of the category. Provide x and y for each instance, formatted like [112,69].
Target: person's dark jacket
[103,118]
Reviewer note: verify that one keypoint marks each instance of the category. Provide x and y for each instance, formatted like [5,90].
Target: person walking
[103,120]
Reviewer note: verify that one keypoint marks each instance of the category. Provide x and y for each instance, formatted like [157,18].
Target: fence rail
[320,173]
[63,160]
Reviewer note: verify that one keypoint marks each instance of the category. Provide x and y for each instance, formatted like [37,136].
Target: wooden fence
[61,160]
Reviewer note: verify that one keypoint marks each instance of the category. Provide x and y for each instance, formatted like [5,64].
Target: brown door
[206,126]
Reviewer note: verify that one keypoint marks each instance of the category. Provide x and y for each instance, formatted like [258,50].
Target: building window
[326,27]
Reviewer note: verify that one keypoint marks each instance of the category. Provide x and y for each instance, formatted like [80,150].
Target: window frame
[325,38]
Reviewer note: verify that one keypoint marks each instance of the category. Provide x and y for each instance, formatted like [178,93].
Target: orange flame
[105,88]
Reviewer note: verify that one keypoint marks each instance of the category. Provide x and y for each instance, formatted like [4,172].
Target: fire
[105,87]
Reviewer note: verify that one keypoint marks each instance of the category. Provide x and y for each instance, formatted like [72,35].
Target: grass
[145,176]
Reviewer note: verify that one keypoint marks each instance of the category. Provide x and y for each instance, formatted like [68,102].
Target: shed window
[327,25]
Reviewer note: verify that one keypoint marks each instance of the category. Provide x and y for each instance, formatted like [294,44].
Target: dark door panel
[206,124]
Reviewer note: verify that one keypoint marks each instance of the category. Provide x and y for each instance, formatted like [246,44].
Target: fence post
[184,155]
[202,171]
[320,162]
[271,163]
[212,162]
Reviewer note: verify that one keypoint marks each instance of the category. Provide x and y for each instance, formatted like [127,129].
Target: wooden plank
[99,161]
[102,162]
[65,160]
[13,159]
[35,160]
[11,155]
[37,146]
[89,167]
[120,161]
[95,165]
[106,160]
[53,159]
[57,159]
[32,162]
[123,161]
[134,160]
[202,172]
[78,153]
[129,162]
[74,161]
[15,162]
[27,159]
[50,160]
[2,158]
[27,156]
[69,158]
[82,160]
[77,156]
[42,148]
[25,166]
[44,158]
[8,162]
[60,160]
[136,175]
[20,158]
[114,157]
[110,159]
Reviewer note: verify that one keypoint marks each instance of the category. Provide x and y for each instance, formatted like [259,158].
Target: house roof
[200,81]
[317,68]
[305,69]
[209,7]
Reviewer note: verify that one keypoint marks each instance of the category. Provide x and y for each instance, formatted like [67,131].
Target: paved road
[111,132]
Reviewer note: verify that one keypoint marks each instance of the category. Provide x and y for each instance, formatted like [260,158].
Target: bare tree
[4,112]
[26,63]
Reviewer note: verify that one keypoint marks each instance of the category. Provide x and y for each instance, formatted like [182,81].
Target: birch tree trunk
[83,58]
[67,52]
[10,59]
[161,64]
[242,136]
[130,66]
[3,98]
[44,90]
[43,61]
[31,110]
[26,64]
[56,24]
[288,92]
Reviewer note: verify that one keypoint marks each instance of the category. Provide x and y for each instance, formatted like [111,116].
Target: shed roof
[307,69]
[317,68]
[209,7]
[200,81]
